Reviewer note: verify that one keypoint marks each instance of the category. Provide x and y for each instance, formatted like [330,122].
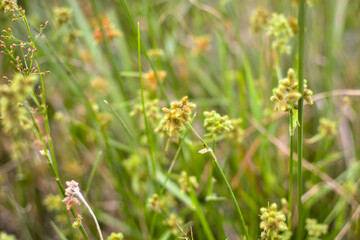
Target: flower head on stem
[176,117]
[216,124]
[74,196]
[286,95]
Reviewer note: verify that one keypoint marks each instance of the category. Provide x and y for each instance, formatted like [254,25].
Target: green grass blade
[58,231]
[96,164]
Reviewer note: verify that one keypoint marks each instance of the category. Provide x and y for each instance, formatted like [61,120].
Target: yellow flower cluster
[327,128]
[151,108]
[187,182]
[62,15]
[176,117]
[272,223]
[315,229]
[13,95]
[286,95]
[281,32]
[216,124]
[259,19]
[115,236]
[173,222]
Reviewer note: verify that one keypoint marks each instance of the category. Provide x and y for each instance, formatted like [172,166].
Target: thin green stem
[44,108]
[50,156]
[210,182]
[242,221]
[301,53]
[127,129]
[174,159]
[53,170]
[132,23]
[96,163]
[172,164]
[149,136]
[201,216]
[291,172]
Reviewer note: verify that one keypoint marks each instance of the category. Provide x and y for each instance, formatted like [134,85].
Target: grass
[301,71]
[95,118]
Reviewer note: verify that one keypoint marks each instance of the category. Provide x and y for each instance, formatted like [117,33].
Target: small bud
[77,223]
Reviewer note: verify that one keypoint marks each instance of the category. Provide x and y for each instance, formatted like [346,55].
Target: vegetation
[179,119]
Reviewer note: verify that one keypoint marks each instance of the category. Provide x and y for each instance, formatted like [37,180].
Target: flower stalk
[33,66]
[208,149]
[73,196]
[291,166]
[147,128]
[300,70]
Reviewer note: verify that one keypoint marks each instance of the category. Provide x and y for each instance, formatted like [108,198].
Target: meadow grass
[179,119]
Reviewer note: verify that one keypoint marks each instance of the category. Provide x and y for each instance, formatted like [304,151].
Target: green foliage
[70,108]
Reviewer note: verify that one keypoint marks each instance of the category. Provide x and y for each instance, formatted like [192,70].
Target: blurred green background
[208,52]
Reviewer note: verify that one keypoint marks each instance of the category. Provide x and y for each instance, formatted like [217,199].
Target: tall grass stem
[242,221]
[148,131]
[291,167]
[301,54]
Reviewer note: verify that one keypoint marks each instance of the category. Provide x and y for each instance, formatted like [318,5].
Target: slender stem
[53,171]
[153,220]
[50,156]
[291,172]
[201,216]
[43,110]
[210,182]
[82,199]
[242,221]
[149,137]
[117,115]
[91,177]
[132,23]
[301,53]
